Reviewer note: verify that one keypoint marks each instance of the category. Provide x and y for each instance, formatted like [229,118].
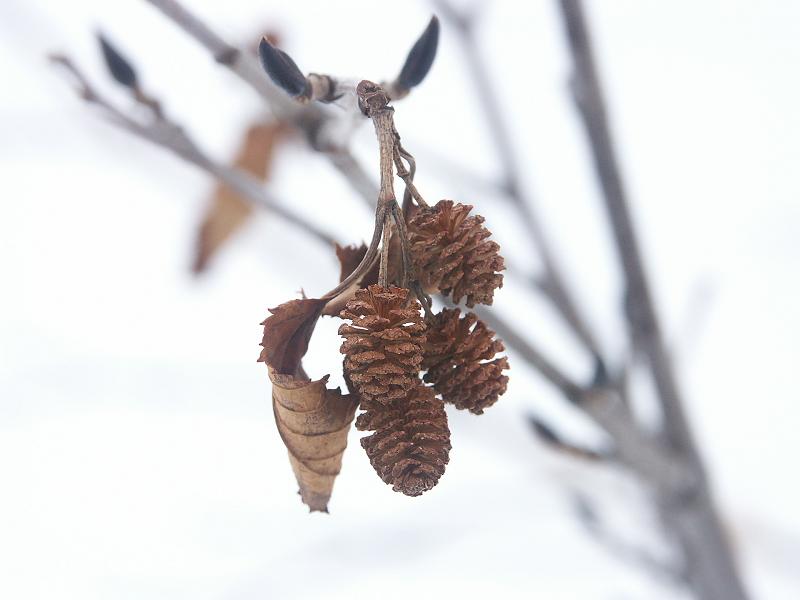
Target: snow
[138,452]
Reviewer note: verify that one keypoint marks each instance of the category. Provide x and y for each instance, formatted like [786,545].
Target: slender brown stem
[373,101]
[383,271]
[369,256]
[375,104]
[410,278]
[409,273]
[406,174]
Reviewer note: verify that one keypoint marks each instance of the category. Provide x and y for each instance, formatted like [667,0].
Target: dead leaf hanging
[313,421]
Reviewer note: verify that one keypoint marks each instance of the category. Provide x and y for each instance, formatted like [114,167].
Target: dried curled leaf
[312,420]
[287,333]
[349,258]
[228,212]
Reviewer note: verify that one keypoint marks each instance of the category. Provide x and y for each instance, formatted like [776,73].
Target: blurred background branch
[689,513]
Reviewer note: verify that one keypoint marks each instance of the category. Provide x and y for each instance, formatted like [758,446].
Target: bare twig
[383,271]
[373,101]
[366,262]
[709,561]
[531,354]
[170,136]
[307,117]
[548,436]
[552,283]
[632,447]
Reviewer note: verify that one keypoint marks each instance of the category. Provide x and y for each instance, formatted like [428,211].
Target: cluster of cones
[404,368]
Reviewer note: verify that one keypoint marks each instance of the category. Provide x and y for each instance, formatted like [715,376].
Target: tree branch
[709,561]
[552,283]
[170,136]
[603,405]
[550,437]
[306,117]
[625,550]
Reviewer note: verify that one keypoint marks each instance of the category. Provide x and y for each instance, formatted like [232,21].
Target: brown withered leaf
[349,258]
[227,212]
[313,421]
[287,332]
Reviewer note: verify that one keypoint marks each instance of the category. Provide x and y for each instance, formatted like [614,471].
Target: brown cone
[383,345]
[452,253]
[411,444]
[461,362]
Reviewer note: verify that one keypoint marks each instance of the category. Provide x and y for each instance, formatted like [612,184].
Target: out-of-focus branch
[690,514]
[550,437]
[644,327]
[531,354]
[165,133]
[588,516]
[552,282]
[603,404]
[242,63]
[306,117]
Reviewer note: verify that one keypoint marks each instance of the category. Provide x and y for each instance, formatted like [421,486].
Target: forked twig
[167,134]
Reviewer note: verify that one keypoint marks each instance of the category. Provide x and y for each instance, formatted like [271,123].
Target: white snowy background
[138,453]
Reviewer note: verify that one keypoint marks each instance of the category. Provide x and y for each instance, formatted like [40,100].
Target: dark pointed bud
[118,65]
[600,377]
[282,69]
[420,58]
[543,431]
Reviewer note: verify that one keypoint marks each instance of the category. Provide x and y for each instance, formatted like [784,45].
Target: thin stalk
[383,271]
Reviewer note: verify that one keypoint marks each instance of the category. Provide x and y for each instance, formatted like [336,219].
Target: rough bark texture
[460,361]
[452,254]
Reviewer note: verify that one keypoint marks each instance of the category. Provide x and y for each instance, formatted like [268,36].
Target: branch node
[227,56]
[372,98]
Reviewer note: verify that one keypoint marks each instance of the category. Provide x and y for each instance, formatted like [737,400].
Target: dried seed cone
[411,444]
[461,364]
[383,345]
[452,254]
